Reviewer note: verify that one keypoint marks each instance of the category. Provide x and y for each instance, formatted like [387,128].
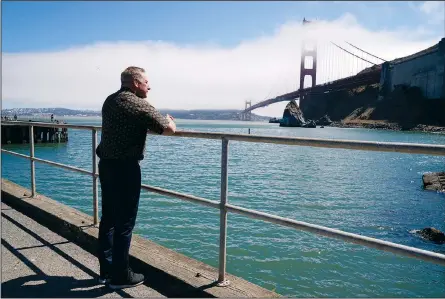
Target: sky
[198,55]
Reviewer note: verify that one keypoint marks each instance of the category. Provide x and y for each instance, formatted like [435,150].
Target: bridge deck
[37,262]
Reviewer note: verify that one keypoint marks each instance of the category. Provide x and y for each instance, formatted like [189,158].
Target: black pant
[121,187]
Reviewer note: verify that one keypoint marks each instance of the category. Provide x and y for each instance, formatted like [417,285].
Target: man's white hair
[132,73]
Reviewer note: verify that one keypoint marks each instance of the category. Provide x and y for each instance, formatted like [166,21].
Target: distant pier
[16,134]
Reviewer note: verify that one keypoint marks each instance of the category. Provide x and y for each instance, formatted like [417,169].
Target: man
[126,117]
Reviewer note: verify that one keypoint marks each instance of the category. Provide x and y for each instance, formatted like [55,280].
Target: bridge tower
[308,49]
[247,115]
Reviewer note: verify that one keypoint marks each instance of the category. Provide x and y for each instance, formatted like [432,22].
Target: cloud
[434,10]
[201,76]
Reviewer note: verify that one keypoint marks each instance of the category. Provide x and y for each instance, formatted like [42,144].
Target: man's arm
[163,125]
[171,127]
[147,115]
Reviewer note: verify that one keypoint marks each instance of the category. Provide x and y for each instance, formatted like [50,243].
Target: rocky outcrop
[432,234]
[426,128]
[434,181]
[324,121]
[405,106]
[274,120]
[310,124]
[293,117]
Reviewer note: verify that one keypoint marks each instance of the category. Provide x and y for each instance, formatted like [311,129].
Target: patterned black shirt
[126,118]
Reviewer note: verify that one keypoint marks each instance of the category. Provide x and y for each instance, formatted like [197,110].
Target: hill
[204,114]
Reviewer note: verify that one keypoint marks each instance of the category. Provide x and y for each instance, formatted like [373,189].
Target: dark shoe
[127,281]
[104,277]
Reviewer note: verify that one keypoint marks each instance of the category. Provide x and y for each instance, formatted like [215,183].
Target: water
[375,194]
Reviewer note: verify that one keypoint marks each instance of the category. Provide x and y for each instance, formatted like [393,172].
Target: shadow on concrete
[52,247]
[43,286]
[208,286]
[156,279]
[5,207]
[43,245]
[172,287]
[84,227]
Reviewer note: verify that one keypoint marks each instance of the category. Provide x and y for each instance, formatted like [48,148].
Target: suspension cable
[365,52]
[353,54]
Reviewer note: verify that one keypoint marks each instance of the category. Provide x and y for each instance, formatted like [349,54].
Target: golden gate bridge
[327,67]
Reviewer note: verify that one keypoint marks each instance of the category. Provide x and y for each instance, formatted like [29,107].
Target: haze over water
[370,193]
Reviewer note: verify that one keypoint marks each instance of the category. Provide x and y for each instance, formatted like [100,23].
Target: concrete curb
[167,271]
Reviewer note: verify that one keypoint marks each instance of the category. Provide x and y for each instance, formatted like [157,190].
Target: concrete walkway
[37,262]
[64,269]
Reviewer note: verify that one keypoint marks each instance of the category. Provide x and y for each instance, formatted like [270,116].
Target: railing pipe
[33,166]
[95,183]
[49,162]
[411,148]
[190,198]
[223,214]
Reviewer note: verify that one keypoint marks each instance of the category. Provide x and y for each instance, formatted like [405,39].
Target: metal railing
[225,207]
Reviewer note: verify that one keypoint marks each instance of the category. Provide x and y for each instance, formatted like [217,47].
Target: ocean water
[370,193]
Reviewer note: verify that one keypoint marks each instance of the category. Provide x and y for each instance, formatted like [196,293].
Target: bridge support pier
[247,116]
[305,102]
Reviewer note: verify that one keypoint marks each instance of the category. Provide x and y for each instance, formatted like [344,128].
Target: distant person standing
[15,116]
[126,117]
[52,117]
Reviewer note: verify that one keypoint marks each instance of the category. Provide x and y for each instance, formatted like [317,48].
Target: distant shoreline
[203,114]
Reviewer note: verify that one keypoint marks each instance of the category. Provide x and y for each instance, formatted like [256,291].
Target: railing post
[222,282]
[33,163]
[95,184]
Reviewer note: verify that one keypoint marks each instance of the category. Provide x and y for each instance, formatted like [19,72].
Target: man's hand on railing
[171,128]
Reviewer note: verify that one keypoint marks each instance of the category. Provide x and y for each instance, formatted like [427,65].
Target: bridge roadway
[372,76]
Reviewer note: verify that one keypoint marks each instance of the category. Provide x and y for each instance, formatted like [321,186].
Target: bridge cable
[357,65]
[337,56]
[328,63]
[331,63]
[365,51]
[354,65]
[353,54]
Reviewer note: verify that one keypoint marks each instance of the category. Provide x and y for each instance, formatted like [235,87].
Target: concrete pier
[47,246]
[12,134]
[37,262]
